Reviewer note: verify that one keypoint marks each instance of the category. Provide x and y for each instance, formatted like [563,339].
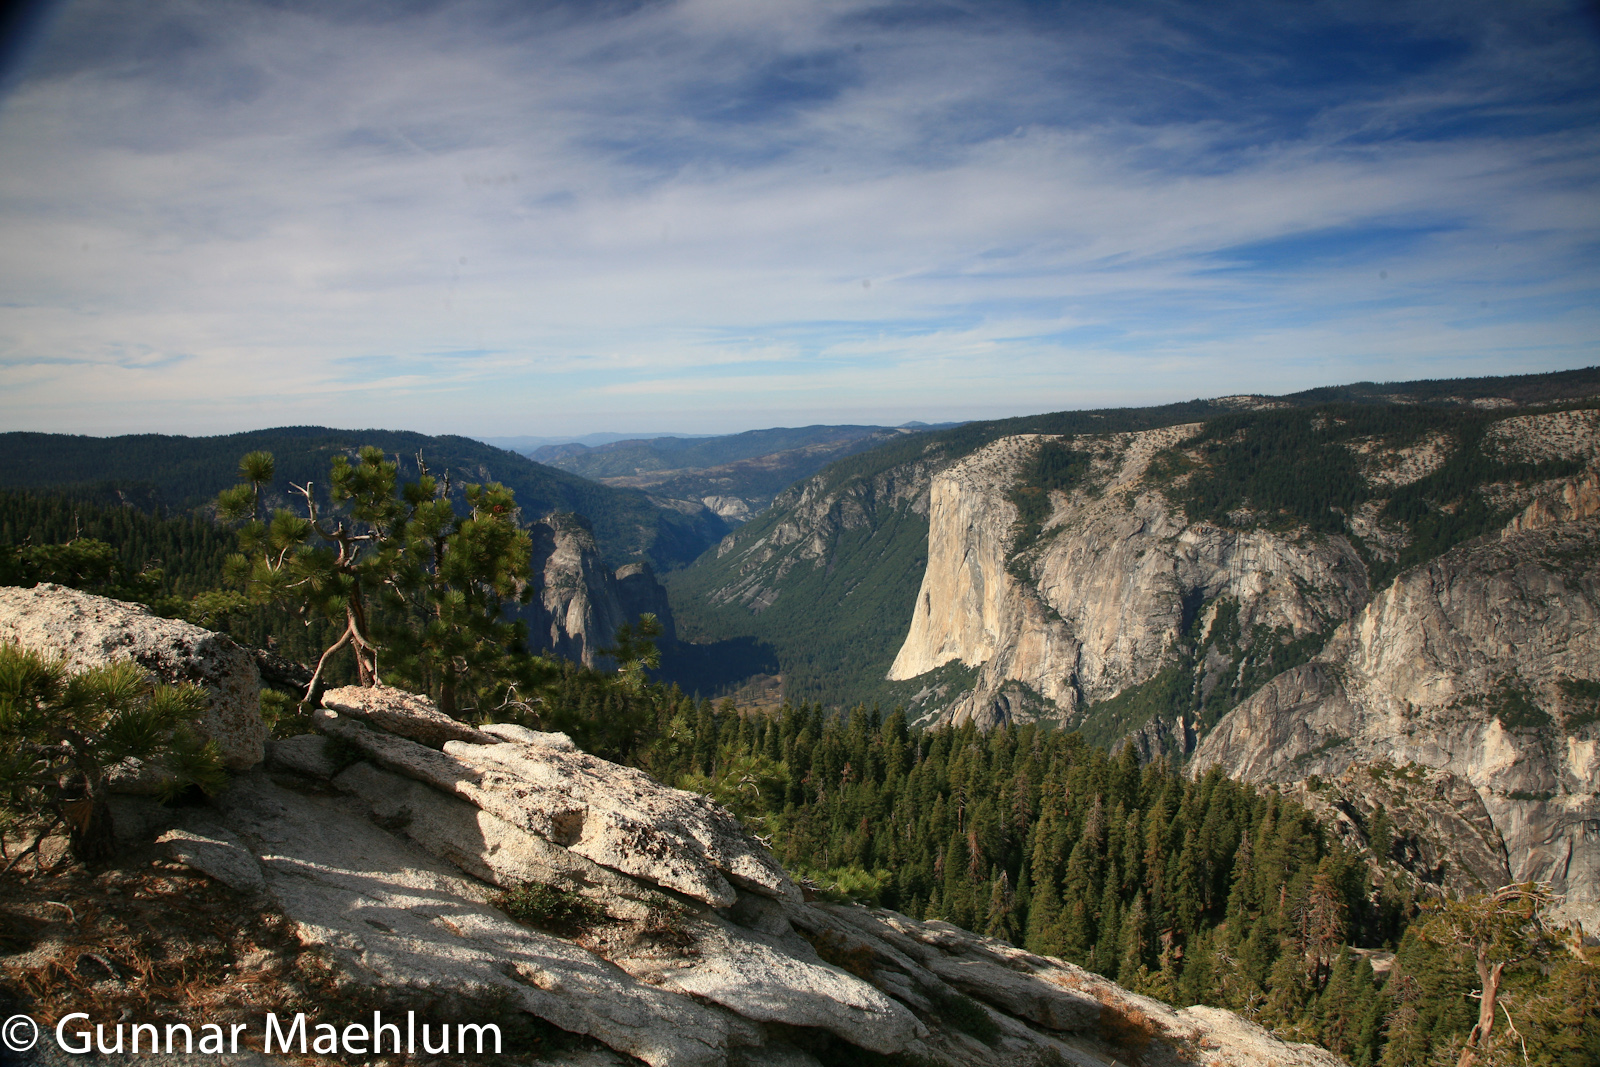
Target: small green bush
[1516,710]
[1585,694]
[550,908]
[835,949]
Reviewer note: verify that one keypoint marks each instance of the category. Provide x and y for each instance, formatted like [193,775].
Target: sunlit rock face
[578,602]
[1465,666]
[1113,583]
[1471,667]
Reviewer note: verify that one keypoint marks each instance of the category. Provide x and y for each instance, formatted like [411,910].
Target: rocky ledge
[396,841]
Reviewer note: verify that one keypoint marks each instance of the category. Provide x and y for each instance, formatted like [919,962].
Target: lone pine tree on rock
[408,577]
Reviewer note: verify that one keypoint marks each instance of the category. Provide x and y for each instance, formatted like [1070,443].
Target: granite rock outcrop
[697,948]
[85,631]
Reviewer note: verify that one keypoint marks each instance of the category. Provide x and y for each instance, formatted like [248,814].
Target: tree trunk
[1490,979]
[366,652]
[89,828]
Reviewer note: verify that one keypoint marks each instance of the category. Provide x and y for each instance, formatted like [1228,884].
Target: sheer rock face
[578,601]
[91,631]
[1099,603]
[391,873]
[1458,667]
[1465,666]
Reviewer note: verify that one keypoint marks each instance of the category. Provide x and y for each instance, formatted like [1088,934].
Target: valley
[1122,688]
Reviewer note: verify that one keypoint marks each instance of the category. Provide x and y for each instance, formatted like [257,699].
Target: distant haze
[545,221]
[528,444]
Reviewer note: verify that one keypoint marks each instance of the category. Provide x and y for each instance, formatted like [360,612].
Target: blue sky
[714,215]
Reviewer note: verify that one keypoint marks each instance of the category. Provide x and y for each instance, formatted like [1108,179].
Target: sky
[709,216]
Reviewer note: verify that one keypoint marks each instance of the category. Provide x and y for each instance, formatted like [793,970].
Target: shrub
[548,907]
[966,1014]
[834,948]
[60,734]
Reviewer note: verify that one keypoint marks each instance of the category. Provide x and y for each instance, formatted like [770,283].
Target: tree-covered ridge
[187,552]
[183,473]
[676,453]
[1302,469]
[1449,393]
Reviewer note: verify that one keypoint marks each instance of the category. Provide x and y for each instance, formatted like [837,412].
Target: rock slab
[399,712]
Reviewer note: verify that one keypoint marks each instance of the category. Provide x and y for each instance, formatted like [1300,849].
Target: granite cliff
[1288,647]
[1103,599]
[578,601]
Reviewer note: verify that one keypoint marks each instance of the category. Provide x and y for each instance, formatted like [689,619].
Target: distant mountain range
[737,475]
[527,445]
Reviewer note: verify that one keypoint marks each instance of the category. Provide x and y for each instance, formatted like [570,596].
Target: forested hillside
[182,473]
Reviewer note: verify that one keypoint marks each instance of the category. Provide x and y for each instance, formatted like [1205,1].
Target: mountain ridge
[187,472]
[830,533]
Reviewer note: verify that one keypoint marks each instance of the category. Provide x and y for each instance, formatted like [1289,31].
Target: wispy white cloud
[700,215]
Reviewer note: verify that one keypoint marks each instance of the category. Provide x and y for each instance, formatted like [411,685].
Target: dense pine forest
[171,563]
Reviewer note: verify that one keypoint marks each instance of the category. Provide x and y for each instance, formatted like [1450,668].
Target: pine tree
[1134,942]
[999,922]
[396,568]
[1045,936]
[1338,1007]
[60,733]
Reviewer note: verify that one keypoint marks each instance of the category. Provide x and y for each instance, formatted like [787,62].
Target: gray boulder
[218,853]
[624,819]
[91,631]
[615,816]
